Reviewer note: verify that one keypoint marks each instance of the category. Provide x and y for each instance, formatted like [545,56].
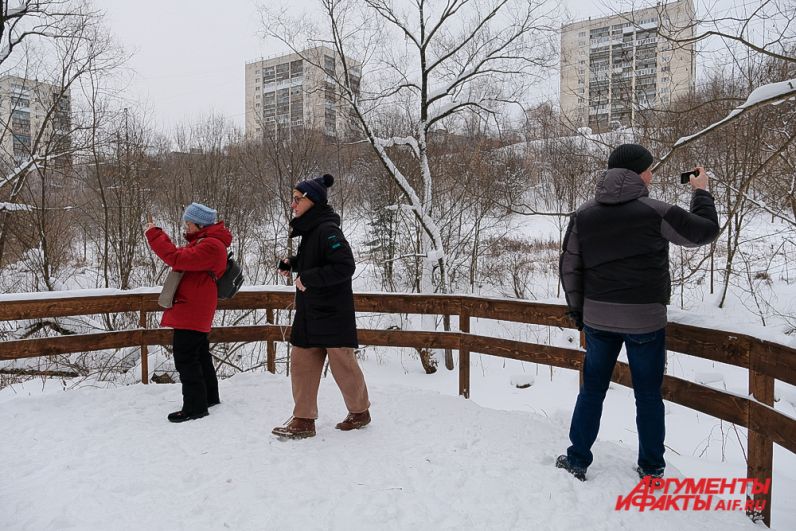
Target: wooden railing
[764,361]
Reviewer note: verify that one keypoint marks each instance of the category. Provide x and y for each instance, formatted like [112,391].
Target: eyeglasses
[297,198]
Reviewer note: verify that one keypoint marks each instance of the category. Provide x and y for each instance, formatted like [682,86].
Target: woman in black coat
[324,323]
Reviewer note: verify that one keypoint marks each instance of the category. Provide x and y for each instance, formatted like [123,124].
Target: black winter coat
[325,311]
[615,261]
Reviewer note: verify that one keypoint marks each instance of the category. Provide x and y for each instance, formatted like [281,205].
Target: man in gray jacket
[615,272]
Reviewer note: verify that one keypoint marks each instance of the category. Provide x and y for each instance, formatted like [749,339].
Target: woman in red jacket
[194,304]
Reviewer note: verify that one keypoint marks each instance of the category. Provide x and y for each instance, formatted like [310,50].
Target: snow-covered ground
[103,459]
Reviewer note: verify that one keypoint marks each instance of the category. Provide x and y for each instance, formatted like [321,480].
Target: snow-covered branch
[772,93]
[429,225]
[15,207]
[399,141]
[396,208]
[20,170]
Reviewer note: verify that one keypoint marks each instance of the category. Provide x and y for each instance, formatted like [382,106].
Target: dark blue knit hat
[634,157]
[315,188]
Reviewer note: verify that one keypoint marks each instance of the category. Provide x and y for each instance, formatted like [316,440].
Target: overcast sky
[189,55]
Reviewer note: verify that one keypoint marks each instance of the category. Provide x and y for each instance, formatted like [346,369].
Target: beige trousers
[306,366]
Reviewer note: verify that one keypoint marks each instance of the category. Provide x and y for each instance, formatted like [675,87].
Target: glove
[577,318]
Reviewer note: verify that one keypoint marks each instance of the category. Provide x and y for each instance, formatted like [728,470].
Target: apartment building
[297,90]
[24,108]
[614,68]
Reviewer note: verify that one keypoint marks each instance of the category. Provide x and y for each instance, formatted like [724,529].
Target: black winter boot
[657,474]
[563,462]
[182,416]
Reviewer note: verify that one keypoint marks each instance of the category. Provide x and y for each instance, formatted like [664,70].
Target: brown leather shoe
[296,429]
[354,421]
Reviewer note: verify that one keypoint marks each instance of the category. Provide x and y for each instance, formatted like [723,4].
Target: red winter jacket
[197,296]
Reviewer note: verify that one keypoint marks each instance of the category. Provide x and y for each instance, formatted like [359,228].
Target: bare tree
[57,134]
[473,55]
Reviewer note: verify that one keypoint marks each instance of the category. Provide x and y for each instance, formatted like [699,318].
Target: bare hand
[700,182]
[299,285]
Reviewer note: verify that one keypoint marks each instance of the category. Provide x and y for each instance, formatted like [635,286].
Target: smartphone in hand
[685,177]
[282,266]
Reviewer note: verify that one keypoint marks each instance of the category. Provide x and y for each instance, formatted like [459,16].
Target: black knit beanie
[633,157]
[315,188]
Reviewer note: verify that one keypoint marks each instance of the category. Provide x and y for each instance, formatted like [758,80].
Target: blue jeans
[646,354]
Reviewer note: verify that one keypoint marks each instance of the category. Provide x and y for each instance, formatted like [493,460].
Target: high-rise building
[28,109]
[289,91]
[615,67]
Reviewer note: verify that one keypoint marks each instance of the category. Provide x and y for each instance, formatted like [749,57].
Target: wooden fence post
[144,347]
[464,353]
[760,448]
[270,359]
[446,323]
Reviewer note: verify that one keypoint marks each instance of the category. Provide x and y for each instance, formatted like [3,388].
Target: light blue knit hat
[200,214]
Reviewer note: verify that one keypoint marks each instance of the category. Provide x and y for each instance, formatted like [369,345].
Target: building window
[282,102]
[329,65]
[269,104]
[329,95]
[282,72]
[21,144]
[296,104]
[330,120]
[20,121]
[355,80]
[269,75]
[296,69]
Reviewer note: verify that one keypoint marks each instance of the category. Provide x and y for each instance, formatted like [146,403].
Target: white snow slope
[102,459]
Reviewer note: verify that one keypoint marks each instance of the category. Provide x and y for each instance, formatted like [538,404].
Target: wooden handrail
[765,361]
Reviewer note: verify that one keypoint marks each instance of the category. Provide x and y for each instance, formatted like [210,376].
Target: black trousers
[197,373]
